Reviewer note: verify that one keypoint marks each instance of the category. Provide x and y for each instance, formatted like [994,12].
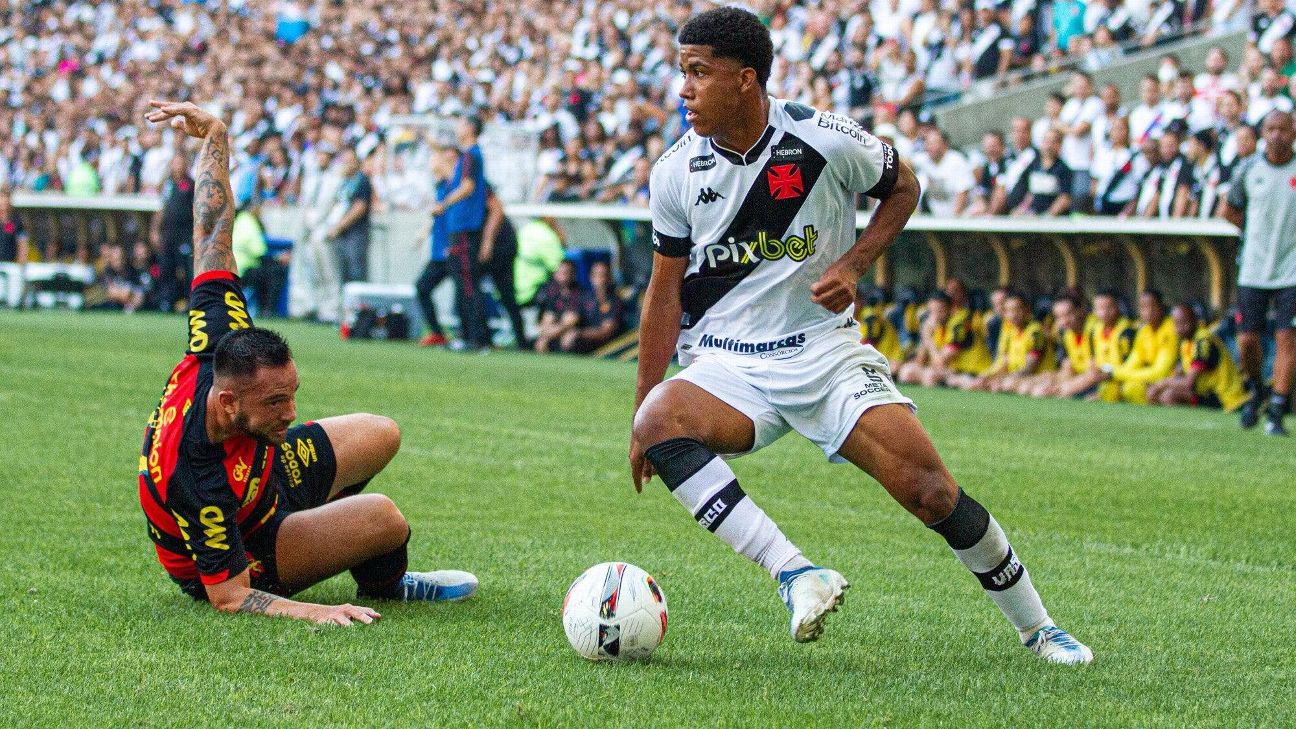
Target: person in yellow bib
[1205,375]
[949,347]
[1021,351]
[1110,340]
[876,329]
[1071,340]
[1156,345]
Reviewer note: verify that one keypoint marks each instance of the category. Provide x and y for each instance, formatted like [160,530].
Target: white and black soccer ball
[614,611]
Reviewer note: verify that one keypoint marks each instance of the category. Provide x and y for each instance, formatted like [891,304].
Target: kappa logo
[785,181]
[707,196]
[703,163]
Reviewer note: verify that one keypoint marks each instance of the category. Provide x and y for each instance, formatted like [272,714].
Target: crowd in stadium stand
[1170,154]
[594,79]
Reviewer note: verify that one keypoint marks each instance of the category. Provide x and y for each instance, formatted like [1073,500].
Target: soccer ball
[614,610]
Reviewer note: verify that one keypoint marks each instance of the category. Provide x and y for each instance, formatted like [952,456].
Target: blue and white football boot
[1055,645]
[437,586]
[810,593]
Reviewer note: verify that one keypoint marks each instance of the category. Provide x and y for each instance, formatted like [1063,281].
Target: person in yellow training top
[876,329]
[1071,337]
[949,347]
[1021,351]
[1206,374]
[1155,348]
[1110,340]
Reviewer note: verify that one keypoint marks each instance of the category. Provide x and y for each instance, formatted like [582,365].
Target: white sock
[712,494]
[982,547]
[1005,580]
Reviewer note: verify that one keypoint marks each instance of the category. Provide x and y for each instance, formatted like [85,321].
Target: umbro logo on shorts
[707,196]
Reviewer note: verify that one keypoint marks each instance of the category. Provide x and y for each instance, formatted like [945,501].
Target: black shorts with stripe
[302,476]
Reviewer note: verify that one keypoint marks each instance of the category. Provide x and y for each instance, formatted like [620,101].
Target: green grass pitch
[1166,540]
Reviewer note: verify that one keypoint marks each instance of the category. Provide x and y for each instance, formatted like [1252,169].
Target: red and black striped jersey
[201,498]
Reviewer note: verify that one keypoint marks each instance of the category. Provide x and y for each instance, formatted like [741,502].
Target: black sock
[380,576]
[1252,386]
[1279,404]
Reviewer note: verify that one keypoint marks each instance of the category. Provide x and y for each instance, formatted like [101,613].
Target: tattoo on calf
[257,602]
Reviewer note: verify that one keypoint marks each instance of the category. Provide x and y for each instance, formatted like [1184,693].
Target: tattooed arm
[213,200]
[236,595]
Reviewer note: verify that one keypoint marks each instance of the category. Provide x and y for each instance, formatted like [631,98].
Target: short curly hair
[732,33]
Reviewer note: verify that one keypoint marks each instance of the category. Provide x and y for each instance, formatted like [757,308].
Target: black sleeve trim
[890,173]
[671,246]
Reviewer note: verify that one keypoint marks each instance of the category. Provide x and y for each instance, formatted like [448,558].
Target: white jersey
[760,227]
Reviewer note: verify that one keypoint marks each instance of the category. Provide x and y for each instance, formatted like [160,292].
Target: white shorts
[820,392]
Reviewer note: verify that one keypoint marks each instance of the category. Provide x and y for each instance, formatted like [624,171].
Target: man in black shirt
[351,233]
[173,234]
[13,237]
[1047,180]
[992,46]
[601,313]
[499,250]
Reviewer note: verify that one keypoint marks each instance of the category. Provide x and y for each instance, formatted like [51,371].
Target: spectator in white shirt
[1117,170]
[555,113]
[1216,79]
[1174,194]
[1268,98]
[945,175]
[1144,205]
[155,162]
[1009,191]
[1245,141]
[1110,96]
[1075,122]
[1147,119]
[1052,113]
[1228,120]
[1186,106]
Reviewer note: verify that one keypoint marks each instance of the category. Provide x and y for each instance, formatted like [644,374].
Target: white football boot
[1055,645]
[810,593]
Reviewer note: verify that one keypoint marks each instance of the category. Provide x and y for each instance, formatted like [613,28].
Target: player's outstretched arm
[659,328]
[213,200]
[236,595]
[835,290]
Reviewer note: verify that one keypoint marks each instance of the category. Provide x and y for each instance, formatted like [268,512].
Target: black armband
[671,246]
[890,173]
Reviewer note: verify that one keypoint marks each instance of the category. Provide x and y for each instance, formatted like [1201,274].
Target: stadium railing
[1187,259]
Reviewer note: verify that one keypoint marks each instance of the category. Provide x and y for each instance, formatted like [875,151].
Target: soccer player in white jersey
[755,267]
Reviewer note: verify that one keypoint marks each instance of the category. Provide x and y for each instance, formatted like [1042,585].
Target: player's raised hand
[835,289]
[184,116]
[346,615]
